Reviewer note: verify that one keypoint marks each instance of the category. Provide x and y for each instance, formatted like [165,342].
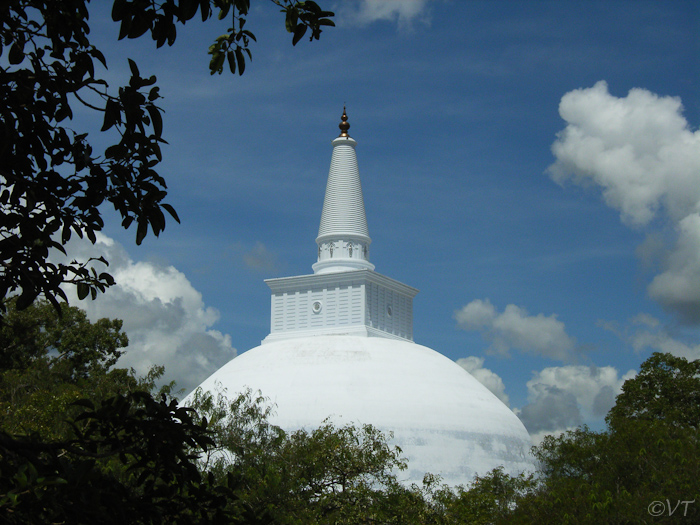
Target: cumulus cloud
[164,316]
[554,411]
[403,12]
[515,328]
[643,154]
[475,366]
[678,286]
[561,398]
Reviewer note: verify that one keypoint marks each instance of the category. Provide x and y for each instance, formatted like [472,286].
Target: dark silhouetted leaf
[156,120]
[230,56]
[83,290]
[240,60]
[141,230]
[171,211]
[16,54]
[299,33]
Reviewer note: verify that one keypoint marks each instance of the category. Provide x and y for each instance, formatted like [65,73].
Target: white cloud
[475,366]
[164,316]
[514,328]
[662,341]
[646,333]
[639,148]
[561,398]
[678,286]
[404,12]
[553,411]
[643,154]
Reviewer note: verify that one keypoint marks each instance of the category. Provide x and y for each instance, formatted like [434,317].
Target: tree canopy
[641,469]
[74,429]
[323,475]
[84,442]
[667,389]
[54,183]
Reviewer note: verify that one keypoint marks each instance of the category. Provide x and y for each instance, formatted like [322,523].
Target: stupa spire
[344,124]
[343,238]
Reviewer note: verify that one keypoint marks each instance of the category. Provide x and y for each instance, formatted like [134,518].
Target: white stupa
[341,346]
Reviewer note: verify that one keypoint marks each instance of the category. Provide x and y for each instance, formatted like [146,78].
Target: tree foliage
[649,455]
[130,460]
[667,389]
[84,442]
[325,475]
[489,498]
[54,184]
[49,359]
[337,475]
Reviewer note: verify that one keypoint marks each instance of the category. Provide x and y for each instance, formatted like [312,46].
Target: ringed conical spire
[343,237]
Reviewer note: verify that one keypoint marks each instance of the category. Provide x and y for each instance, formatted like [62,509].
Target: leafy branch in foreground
[53,183]
[129,462]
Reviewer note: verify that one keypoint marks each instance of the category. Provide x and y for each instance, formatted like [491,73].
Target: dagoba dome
[341,347]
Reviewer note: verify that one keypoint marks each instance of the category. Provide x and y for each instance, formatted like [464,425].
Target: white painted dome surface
[444,420]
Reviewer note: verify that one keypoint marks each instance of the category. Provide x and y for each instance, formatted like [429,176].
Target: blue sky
[553,250]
